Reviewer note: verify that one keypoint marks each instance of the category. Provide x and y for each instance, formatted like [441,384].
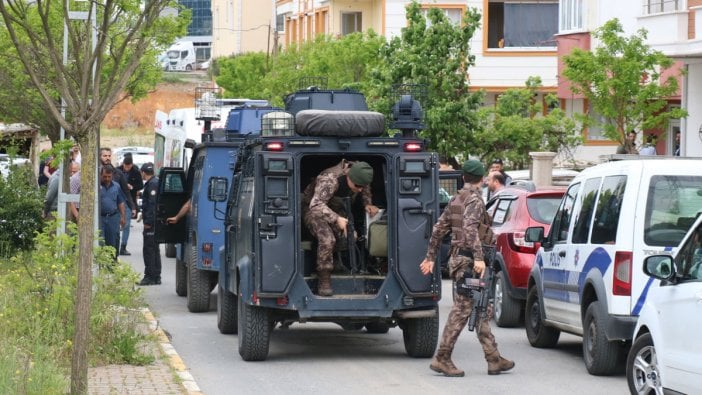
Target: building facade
[240,26]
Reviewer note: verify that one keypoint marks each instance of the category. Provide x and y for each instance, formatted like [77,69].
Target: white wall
[692,139]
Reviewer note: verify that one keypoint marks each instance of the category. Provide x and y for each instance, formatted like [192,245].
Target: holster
[464,252]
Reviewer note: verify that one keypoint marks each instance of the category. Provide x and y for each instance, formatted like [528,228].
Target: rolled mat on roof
[339,123]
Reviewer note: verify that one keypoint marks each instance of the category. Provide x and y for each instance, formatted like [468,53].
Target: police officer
[324,214]
[152,255]
[463,216]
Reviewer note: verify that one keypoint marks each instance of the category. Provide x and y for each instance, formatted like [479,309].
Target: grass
[36,316]
[126,137]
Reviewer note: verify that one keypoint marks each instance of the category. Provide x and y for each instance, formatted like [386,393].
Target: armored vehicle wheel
[600,354]
[254,332]
[508,310]
[170,251]
[351,326]
[199,285]
[227,315]
[181,278]
[421,336]
[377,327]
[539,335]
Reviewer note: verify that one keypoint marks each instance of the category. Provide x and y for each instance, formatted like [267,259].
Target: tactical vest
[456,208]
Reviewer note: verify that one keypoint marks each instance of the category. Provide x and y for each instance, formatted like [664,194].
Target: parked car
[586,278]
[6,162]
[140,155]
[513,210]
[666,356]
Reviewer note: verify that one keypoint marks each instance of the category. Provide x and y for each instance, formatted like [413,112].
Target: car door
[555,297]
[680,318]
[172,194]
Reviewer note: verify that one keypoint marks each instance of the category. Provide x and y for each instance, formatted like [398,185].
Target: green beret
[473,167]
[361,173]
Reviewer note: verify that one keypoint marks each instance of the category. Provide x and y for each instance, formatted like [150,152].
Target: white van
[587,278]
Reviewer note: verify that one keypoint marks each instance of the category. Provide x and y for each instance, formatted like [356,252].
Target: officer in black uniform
[152,255]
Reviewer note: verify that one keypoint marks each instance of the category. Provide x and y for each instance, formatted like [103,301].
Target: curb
[174,360]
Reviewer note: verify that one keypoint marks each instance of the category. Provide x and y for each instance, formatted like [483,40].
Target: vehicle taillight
[519,244]
[206,247]
[413,147]
[273,146]
[622,273]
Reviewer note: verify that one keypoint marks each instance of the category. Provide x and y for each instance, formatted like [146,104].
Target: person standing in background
[649,147]
[134,184]
[112,208]
[152,255]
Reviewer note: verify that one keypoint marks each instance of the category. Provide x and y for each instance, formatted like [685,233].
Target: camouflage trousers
[458,318]
[326,236]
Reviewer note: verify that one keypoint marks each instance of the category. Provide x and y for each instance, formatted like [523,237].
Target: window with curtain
[571,15]
[351,22]
[522,24]
[455,15]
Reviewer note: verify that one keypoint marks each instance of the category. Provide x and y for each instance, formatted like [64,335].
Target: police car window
[565,211]
[688,263]
[673,204]
[609,206]
[583,218]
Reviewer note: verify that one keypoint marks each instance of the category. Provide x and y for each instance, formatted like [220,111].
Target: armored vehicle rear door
[416,194]
[172,194]
[274,210]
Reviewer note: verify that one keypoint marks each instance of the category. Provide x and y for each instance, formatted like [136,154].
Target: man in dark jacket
[152,255]
[134,184]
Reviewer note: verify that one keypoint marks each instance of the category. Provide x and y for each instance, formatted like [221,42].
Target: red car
[514,209]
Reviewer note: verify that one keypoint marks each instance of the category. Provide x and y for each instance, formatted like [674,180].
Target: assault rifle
[479,288]
[351,236]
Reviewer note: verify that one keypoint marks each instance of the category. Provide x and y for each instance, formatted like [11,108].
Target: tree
[433,52]
[517,126]
[344,62]
[622,79]
[110,52]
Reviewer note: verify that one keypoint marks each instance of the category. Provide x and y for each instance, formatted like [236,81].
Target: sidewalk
[166,375]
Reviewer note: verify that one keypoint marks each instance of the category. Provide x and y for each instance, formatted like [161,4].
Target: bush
[37,314]
[20,212]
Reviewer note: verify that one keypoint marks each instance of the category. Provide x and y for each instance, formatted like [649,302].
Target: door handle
[562,254]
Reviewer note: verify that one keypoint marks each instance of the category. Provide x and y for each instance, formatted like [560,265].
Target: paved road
[322,358]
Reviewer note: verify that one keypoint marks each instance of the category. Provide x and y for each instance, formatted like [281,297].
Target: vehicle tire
[508,310]
[539,335]
[377,327]
[170,250]
[599,353]
[188,67]
[181,278]
[254,331]
[227,315]
[351,326]
[642,372]
[199,286]
[421,336]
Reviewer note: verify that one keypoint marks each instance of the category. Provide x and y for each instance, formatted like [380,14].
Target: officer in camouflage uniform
[324,213]
[464,216]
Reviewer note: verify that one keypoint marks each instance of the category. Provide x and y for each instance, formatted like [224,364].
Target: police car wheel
[539,335]
[600,354]
[642,373]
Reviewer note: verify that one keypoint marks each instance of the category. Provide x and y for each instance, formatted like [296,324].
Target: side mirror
[659,266]
[217,189]
[534,234]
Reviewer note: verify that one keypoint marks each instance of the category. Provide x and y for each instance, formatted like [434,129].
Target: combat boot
[442,364]
[324,284]
[497,364]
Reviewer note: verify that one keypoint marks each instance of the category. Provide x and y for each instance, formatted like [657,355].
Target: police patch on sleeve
[153,192]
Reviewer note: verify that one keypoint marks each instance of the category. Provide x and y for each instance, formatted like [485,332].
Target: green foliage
[622,80]
[433,52]
[516,126]
[345,62]
[36,320]
[20,211]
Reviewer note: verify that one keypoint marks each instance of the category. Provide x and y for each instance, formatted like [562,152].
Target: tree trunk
[86,238]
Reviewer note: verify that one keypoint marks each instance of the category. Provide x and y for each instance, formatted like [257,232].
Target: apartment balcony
[675,32]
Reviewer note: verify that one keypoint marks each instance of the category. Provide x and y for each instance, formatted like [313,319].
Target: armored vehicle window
[581,230]
[608,208]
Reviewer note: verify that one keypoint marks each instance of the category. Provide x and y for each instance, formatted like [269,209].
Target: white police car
[667,353]
[586,278]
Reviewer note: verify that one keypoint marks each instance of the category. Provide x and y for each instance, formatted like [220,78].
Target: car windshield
[543,208]
[673,204]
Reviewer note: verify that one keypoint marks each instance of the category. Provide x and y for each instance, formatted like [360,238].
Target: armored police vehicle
[269,277]
[208,180]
